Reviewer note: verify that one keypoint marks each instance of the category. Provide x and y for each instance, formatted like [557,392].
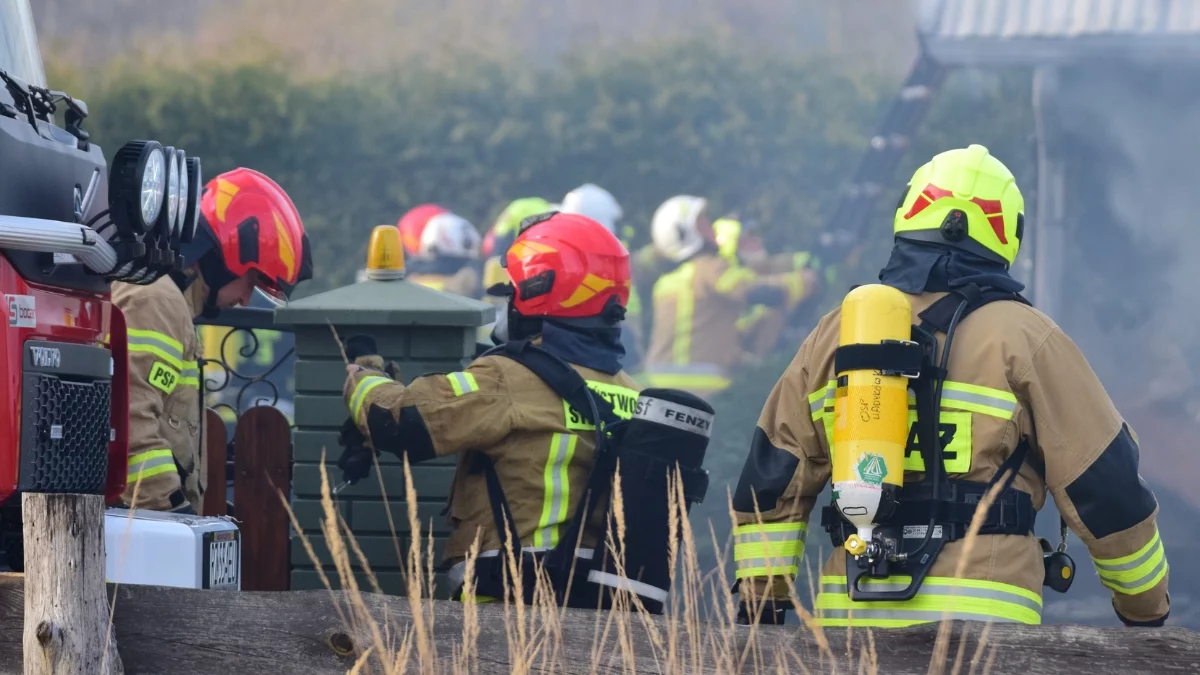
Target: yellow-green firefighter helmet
[965,198]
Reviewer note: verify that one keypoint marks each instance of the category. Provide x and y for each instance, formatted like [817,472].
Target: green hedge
[772,139]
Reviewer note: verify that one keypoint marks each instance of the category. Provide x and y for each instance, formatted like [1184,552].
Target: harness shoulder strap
[939,315]
[562,379]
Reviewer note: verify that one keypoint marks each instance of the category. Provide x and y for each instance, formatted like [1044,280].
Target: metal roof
[1039,31]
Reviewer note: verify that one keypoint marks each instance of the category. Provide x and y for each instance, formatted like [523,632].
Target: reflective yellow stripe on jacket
[361,390]
[149,463]
[679,284]
[160,345]
[557,495]
[1137,572]
[768,549]
[959,401]
[939,598]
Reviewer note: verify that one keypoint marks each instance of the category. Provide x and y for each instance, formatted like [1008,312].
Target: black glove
[357,458]
[180,504]
[357,346]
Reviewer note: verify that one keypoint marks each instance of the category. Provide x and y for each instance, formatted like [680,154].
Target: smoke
[1131,139]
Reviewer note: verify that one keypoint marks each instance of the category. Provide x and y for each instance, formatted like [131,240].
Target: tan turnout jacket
[541,447]
[1013,375]
[166,445]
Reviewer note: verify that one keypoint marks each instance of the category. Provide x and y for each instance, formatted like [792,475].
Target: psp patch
[163,377]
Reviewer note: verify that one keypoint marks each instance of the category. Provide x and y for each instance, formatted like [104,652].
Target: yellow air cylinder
[870,428]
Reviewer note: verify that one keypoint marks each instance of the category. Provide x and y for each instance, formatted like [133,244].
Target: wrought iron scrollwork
[248,350]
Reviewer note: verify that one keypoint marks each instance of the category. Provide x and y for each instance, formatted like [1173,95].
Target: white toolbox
[153,548]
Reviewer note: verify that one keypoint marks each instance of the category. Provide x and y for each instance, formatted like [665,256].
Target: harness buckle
[905,373]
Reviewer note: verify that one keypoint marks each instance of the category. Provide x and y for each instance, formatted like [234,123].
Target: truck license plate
[222,560]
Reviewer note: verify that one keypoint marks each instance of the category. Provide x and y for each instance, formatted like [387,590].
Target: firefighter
[694,344]
[760,327]
[496,243]
[598,204]
[250,237]
[1020,411]
[523,448]
[412,225]
[445,255]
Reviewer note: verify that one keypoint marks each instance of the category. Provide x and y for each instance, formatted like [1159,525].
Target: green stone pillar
[423,330]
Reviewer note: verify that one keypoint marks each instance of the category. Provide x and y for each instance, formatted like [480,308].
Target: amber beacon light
[385,256]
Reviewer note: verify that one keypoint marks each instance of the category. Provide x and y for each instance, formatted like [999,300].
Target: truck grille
[65,427]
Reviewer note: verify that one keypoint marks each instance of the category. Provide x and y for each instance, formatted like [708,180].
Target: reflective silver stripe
[935,590]
[156,342]
[760,537]
[978,399]
[1133,585]
[907,615]
[137,468]
[816,406]
[626,584]
[1140,560]
[464,385]
[782,561]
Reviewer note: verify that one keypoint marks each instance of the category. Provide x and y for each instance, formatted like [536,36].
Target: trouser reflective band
[939,598]
[150,463]
[703,376]
[768,550]
[1137,572]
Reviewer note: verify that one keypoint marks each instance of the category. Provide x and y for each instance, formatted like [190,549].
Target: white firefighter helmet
[447,234]
[594,202]
[675,228]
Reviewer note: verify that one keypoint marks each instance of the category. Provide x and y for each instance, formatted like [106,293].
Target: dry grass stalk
[937,662]
[983,637]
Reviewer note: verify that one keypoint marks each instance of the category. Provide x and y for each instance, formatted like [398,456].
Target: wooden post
[67,628]
[216,444]
[262,455]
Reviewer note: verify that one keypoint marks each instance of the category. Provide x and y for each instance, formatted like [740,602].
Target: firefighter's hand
[357,456]
[180,504]
[358,346]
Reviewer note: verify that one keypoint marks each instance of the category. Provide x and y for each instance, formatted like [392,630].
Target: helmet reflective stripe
[977,185]
[449,235]
[674,228]
[594,202]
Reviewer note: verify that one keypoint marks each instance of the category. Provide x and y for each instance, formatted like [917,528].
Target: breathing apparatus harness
[646,462]
[935,510]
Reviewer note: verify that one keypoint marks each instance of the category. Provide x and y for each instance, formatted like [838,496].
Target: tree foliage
[772,139]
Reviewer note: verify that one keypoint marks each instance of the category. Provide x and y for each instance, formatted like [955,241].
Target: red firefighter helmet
[412,225]
[255,226]
[566,265]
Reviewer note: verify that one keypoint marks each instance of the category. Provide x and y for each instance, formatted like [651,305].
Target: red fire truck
[69,226]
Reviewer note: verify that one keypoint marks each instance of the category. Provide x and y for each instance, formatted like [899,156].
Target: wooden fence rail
[187,632]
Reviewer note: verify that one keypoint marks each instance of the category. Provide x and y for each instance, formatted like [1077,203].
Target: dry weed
[687,638]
